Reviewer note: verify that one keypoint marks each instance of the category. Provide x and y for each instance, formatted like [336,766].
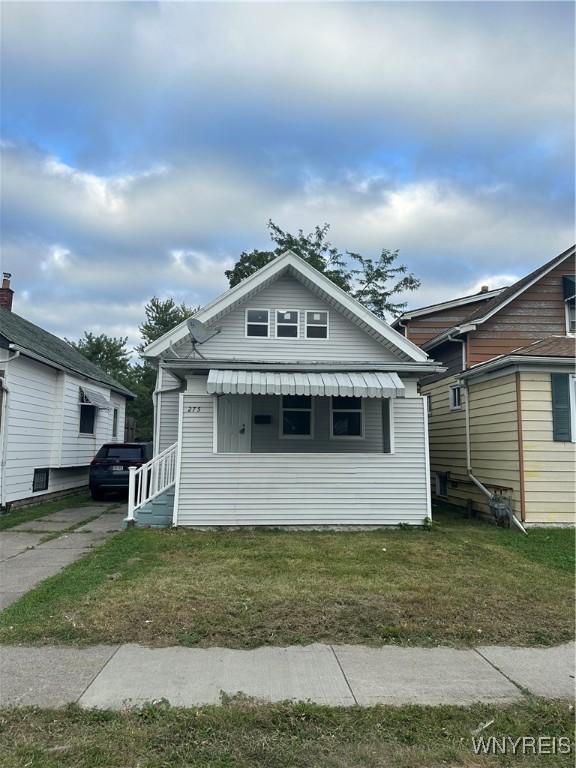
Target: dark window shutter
[561,407]
[568,286]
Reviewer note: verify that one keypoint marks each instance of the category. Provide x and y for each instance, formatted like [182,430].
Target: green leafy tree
[108,352]
[161,316]
[373,282]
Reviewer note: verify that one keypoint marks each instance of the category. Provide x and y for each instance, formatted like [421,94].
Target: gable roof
[289,262]
[450,304]
[50,349]
[483,313]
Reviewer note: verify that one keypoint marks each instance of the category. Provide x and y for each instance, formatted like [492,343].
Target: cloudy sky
[144,145]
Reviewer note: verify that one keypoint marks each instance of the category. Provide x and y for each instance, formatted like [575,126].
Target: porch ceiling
[342,384]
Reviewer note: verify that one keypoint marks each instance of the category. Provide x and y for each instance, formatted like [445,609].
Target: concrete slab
[545,672]
[398,676]
[75,541]
[111,521]
[50,557]
[14,542]
[17,576]
[194,676]
[42,525]
[48,677]
[7,598]
[74,516]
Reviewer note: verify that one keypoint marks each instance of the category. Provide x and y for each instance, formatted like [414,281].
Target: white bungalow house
[286,402]
[56,409]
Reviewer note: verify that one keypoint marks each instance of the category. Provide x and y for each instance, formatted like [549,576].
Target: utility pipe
[471,475]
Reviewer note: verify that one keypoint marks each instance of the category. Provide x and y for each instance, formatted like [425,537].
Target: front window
[346,418]
[316,325]
[115,423]
[258,323]
[296,418]
[287,323]
[455,397]
[87,419]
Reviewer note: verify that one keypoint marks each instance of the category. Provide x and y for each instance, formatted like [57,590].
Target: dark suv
[109,468]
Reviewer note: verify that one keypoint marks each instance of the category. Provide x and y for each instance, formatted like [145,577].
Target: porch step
[158,512]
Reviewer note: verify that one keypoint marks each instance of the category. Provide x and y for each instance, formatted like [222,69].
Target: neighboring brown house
[502,418]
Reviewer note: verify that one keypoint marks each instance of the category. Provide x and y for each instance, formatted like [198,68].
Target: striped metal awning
[90,397]
[353,384]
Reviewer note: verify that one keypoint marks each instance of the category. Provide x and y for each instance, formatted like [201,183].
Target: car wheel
[96,494]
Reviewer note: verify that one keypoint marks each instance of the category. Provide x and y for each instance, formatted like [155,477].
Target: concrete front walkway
[131,675]
[33,551]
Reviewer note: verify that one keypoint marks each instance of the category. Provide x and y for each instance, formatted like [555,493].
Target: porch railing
[151,479]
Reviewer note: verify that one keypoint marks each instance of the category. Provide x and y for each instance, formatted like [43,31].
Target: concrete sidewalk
[131,675]
[28,556]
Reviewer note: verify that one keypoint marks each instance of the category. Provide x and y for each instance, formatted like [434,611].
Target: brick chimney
[484,289]
[6,293]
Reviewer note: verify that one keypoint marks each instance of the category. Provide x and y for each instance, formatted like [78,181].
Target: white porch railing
[151,479]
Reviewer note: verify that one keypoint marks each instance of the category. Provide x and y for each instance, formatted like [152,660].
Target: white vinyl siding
[167,404]
[346,340]
[292,488]
[42,419]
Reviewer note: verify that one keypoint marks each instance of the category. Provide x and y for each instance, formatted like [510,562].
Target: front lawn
[461,583]
[244,735]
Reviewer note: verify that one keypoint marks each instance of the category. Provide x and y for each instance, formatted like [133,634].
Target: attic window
[316,325]
[569,290]
[258,323]
[455,397]
[287,323]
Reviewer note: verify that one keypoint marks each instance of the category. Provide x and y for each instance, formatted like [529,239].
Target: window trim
[47,486]
[453,388]
[87,434]
[289,325]
[327,326]
[567,316]
[281,434]
[362,435]
[267,323]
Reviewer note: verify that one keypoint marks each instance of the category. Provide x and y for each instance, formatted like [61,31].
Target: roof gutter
[503,362]
[398,367]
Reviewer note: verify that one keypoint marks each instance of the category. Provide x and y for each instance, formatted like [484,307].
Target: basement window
[442,484]
[40,480]
[258,323]
[455,397]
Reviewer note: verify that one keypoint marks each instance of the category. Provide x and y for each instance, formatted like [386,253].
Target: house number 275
[194,409]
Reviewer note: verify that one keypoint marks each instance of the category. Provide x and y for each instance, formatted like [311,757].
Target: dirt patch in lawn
[461,583]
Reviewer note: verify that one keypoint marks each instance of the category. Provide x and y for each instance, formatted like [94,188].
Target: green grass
[241,734]
[461,583]
[27,514]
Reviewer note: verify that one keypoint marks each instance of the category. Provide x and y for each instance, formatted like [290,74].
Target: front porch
[269,449]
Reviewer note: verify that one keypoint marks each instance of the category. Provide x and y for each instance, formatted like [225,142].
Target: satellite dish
[199,334]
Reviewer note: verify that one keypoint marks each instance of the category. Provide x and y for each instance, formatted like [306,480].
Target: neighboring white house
[56,410]
[301,408]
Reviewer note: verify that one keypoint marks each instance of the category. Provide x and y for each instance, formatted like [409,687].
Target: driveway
[35,550]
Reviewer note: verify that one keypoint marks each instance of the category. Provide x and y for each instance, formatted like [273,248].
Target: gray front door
[234,419]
